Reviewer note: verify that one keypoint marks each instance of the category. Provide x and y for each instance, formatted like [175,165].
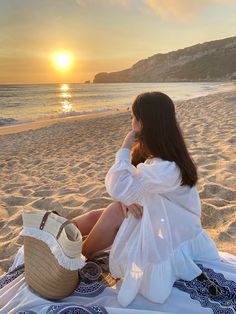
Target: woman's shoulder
[161,172]
[159,164]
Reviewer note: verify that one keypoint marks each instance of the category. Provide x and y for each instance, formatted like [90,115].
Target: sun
[62,61]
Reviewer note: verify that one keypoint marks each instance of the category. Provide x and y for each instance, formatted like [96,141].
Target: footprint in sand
[232,229]
[211,166]
[96,203]
[37,161]
[232,140]
[75,170]
[48,204]
[10,191]
[71,202]
[2,223]
[43,193]
[73,162]
[25,192]
[217,202]
[220,191]
[91,173]
[44,203]
[209,217]
[96,192]
[224,237]
[12,163]
[231,168]
[105,194]
[83,164]
[87,188]
[60,177]
[17,201]
[65,191]
[11,186]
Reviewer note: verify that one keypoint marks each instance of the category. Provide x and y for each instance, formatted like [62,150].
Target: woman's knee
[115,212]
[94,215]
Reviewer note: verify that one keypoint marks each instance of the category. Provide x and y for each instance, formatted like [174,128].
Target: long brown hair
[161,135]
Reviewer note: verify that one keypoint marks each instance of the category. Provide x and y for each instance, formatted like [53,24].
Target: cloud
[176,9]
[124,3]
[166,9]
[182,8]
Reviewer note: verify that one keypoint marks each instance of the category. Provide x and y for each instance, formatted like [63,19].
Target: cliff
[210,61]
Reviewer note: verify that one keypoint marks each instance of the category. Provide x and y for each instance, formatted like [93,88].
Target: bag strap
[63,226]
[45,217]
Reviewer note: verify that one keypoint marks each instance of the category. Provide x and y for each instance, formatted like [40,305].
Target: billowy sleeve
[128,184]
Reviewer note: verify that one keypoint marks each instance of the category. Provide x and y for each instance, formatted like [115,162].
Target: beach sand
[62,166]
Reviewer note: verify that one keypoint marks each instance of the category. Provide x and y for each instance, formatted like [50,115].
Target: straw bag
[52,253]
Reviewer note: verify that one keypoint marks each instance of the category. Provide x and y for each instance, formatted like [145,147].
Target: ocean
[27,103]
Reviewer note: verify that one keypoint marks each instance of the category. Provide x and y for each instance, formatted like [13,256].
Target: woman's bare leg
[86,222]
[103,233]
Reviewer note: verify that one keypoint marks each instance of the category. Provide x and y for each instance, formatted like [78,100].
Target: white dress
[151,253]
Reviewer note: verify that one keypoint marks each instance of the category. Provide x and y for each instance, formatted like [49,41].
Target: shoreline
[16,128]
[22,127]
[83,83]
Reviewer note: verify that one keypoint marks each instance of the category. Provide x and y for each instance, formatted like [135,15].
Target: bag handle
[63,226]
[45,217]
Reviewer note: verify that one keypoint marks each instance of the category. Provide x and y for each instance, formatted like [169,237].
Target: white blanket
[100,296]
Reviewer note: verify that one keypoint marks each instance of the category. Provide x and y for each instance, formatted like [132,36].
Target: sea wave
[29,103]
[79,113]
[12,121]
[7,121]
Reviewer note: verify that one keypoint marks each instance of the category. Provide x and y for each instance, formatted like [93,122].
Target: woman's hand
[130,140]
[135,209]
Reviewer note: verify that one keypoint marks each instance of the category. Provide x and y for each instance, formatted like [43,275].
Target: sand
[62,166]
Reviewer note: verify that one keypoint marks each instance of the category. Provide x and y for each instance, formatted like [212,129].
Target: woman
[162,238]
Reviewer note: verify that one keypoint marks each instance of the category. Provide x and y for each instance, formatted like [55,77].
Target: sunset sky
[101,35]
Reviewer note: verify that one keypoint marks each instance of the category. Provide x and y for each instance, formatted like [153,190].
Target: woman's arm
[129,185]
[135,209]
[130,140]
[119,180]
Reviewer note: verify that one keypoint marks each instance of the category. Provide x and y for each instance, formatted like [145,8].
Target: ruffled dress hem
[155,281]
